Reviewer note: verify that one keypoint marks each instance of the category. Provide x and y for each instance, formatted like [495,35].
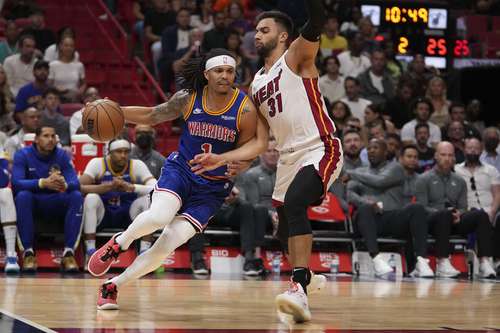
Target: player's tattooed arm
[170,110]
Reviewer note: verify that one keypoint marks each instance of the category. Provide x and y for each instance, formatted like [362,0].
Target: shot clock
[417,27]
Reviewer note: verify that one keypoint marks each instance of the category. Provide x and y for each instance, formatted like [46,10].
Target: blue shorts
[116,218]
[200,198]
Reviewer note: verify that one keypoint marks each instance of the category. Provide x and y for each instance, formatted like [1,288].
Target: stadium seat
[477,25]
[67,109]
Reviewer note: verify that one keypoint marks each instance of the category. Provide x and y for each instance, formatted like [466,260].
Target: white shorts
[327,159]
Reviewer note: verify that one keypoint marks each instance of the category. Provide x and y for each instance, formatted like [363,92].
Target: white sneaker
[317,283]
[380,266]
[486,269]
[445,269]
[422,269]
[294,302]
[11,265]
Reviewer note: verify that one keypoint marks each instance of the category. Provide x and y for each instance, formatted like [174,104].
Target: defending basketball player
[218,118]
[286,92]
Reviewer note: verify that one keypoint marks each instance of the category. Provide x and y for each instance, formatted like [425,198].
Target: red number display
[461,48]
[437,46]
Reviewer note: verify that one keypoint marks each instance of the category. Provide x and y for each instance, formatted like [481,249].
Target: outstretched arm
[253,140]
[303,50]
[172,109]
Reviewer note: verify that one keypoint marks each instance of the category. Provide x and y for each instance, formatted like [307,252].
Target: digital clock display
[416,27]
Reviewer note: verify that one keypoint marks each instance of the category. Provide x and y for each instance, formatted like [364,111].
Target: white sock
[9,232]
[173,236]
[89,244]
[145,245]
[66,250]
[164,207]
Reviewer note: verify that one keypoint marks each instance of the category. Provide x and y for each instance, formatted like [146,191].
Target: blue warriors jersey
[113,199]
[211,131]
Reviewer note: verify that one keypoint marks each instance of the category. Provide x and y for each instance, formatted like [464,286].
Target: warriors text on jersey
[208,131]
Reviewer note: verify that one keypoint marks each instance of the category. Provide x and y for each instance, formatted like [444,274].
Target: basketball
[103,120]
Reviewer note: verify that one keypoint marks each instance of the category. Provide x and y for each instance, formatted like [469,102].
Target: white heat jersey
[293,107]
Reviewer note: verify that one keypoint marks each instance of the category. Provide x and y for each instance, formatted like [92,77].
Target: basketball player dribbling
[218,118]
[286,92]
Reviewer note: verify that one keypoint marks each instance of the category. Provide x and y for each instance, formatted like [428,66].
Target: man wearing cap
[46,186]
[116,189]
[31,93]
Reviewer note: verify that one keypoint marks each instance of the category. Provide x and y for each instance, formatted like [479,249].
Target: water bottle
[334,264]
[276,263]
[392,263]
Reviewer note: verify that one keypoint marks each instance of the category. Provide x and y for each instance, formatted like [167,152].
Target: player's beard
[266,49]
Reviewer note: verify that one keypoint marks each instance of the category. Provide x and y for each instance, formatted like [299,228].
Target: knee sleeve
[296,214]
[92,201]
[164,207]
[173,236]
[139,205]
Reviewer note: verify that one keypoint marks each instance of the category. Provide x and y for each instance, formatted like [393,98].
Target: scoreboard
[418,27]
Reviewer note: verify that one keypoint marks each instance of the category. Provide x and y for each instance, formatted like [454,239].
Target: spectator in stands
[409,161]
[257,184]
[373,114]
[144,149]
[7,122]
[75,122]
[353,123]
[30,120]
[181,56]
[116,189]
[444,194]
[351,25]
[419,74]
[174,39]
[9,46]
[490,155]
[376,82]
[138,10]
[425,152]
[473,112]
[46,186]
[237,20]
[436,93]
[398,108]
[156,19]
[339,112]
[393,146]
[53,51]
[352,145]
[456,136]
[377,193]
[68,74]
[52,116]
[216,37]
[43,36]
[356,103]
[375,130]
[394,66]
[243,69]
[31,93]
[249,50]
[19,66]
[422,108]
[203,18]
[457,113]
[331,43]
[8,215]
[353,62]
[368,32]
[20,9]
[331,83]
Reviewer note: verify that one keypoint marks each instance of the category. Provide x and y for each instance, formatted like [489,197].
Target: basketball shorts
[326,157]
[200,198]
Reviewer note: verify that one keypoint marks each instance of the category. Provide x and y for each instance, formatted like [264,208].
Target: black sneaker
[252,267]
[199,267]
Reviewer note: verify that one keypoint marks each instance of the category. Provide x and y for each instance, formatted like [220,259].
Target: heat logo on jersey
[267,91]
[211,131]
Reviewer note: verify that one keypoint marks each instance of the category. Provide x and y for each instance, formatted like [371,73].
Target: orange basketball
[103,120]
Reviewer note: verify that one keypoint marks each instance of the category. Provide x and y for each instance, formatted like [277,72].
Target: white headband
[222,60]
[119,144]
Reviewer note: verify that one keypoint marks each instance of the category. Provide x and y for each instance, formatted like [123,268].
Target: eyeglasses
[474,188]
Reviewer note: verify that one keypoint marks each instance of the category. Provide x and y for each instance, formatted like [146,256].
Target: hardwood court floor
[176,303]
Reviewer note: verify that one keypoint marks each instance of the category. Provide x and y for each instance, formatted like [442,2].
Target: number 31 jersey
[207,131]
[293,107]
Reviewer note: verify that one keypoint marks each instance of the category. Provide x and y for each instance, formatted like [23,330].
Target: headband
[222,60]
[119,144]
